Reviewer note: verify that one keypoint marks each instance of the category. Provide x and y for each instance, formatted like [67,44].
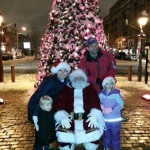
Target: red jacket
[102,67]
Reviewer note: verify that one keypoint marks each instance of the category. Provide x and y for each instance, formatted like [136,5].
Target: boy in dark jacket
[43,119]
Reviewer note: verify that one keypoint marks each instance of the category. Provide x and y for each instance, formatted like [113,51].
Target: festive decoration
[59,65]
[71,22]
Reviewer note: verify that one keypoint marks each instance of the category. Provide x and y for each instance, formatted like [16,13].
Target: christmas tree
[70,23]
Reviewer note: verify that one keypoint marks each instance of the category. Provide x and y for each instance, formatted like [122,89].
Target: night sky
[34,13]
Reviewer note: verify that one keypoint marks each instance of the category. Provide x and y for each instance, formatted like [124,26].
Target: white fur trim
[60,115]
[83,137]
[99,116]
[67,147]
[61,65]
[108,79]
[77,72]
[78,101]
[90,146]
[79,137]
[65,137]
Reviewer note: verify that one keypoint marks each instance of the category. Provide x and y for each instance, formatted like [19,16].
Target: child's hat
[108,79]
[60,65]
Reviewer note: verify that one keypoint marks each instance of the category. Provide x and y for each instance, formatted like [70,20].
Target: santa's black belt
[79,116]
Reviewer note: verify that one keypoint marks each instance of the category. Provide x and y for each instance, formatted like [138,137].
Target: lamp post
[142,20]
[146,66]
[1,63]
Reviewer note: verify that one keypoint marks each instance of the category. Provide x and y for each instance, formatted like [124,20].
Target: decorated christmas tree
[70,23]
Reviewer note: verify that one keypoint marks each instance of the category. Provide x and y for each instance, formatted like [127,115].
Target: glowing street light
[142,20]
[24,28]
[1,19]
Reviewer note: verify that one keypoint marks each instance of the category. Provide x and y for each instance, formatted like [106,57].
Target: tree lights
[71,22]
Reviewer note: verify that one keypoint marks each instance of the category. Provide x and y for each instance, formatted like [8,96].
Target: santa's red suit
[78,104]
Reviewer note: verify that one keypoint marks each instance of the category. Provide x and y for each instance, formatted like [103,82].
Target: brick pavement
[135,134]
[16,133]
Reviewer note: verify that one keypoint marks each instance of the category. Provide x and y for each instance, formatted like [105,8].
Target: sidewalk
[16,133]
[135,134]
[23,65]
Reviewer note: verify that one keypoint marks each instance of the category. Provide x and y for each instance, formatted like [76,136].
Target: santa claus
[78,116]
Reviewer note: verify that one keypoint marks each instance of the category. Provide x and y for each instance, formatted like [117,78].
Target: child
[43,119]
[111,104]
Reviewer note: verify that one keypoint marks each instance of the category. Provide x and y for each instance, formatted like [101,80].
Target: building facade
[10,39]
[121,25]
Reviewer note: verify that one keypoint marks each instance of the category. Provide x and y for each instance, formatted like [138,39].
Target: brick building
[121,26]
[8,38]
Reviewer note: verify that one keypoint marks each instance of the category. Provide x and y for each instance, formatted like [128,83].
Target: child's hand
[108,110]
[36,127]
[103,109]
[35,120]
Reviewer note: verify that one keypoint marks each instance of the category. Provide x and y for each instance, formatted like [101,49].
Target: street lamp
[142,20]
[1,63]
[146,64]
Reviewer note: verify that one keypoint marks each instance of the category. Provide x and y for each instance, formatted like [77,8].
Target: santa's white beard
[79,85]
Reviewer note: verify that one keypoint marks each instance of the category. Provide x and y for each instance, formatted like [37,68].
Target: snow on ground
[24,83]
[21,89]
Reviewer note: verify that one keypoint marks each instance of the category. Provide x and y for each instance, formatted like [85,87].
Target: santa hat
[107,80]
[76,73]
[60,65]
[90,41]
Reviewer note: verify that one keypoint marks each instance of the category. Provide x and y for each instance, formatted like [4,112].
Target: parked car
[121,55]
[115,55]
[7,56]
[19,56]
[134,57]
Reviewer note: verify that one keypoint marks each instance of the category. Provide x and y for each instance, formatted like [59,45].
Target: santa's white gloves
[93,122]
[35,120]
[66,123]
